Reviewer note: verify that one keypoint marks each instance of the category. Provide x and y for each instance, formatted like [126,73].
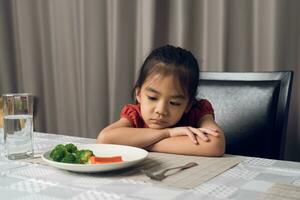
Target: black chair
[252,109]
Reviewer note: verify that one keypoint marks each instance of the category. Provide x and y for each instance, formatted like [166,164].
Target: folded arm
[214,146]
[167,140]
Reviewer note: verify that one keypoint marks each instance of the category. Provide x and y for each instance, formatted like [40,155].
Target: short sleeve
[132,113]
[204,108]
[201,107]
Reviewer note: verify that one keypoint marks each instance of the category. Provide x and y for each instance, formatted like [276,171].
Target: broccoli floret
[57,154]
[70,154]
[69,158]
[59,146]
[77,160]
[83,156]
[71,148]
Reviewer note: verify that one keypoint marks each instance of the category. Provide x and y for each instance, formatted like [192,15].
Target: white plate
[130,156]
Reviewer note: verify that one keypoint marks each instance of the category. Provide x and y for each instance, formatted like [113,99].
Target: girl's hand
[193,132]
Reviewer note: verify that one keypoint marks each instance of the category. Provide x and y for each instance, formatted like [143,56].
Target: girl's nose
[161,109]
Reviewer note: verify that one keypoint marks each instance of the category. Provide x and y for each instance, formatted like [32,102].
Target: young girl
[167,117]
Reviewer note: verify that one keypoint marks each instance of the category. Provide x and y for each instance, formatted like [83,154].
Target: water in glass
[18,131]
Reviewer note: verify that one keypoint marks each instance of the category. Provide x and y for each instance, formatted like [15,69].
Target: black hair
[178,62]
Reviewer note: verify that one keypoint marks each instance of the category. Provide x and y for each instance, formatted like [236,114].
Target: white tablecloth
[22,180]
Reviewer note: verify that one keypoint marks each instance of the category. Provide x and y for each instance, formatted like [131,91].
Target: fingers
[180,131]
[209,131]
[199,133]
[202,133]
[192,133]
[192,137]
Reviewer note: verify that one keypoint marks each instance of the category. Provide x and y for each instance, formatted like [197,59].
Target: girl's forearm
[183,145]
[138,137]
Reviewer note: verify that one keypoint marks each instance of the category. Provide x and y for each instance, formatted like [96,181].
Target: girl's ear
[138,94]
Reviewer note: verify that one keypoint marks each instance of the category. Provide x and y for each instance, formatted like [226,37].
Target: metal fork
[162,175]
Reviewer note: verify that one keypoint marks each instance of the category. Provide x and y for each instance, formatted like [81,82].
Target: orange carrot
[105,160]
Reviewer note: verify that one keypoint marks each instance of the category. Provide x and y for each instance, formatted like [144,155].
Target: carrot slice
[105,160]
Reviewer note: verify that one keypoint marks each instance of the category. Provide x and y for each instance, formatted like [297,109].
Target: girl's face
[162,101]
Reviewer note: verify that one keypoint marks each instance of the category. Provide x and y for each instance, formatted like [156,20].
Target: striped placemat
[208,168]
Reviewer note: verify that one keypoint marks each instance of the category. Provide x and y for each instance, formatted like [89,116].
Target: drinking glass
[1,124]
[18,125]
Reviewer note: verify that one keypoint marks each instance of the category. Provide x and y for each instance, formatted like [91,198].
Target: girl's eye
[175,103]
[151,98]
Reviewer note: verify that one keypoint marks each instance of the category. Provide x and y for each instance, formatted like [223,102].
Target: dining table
[227,177]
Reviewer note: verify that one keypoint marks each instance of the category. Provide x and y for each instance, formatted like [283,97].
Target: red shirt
[132,112]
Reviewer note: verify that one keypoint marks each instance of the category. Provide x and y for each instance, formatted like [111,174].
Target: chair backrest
[252,109]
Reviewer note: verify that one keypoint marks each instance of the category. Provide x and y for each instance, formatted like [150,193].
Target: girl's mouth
[157,121]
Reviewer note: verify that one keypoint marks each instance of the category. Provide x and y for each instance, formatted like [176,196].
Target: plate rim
[116,166]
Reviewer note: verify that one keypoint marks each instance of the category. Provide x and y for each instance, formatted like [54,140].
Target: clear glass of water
[1,125]
[18,125]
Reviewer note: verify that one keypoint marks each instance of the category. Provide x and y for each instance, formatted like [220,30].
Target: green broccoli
[57,154]
[69,158]
[70,154]
[83,156]
[71,148]
[59,146]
